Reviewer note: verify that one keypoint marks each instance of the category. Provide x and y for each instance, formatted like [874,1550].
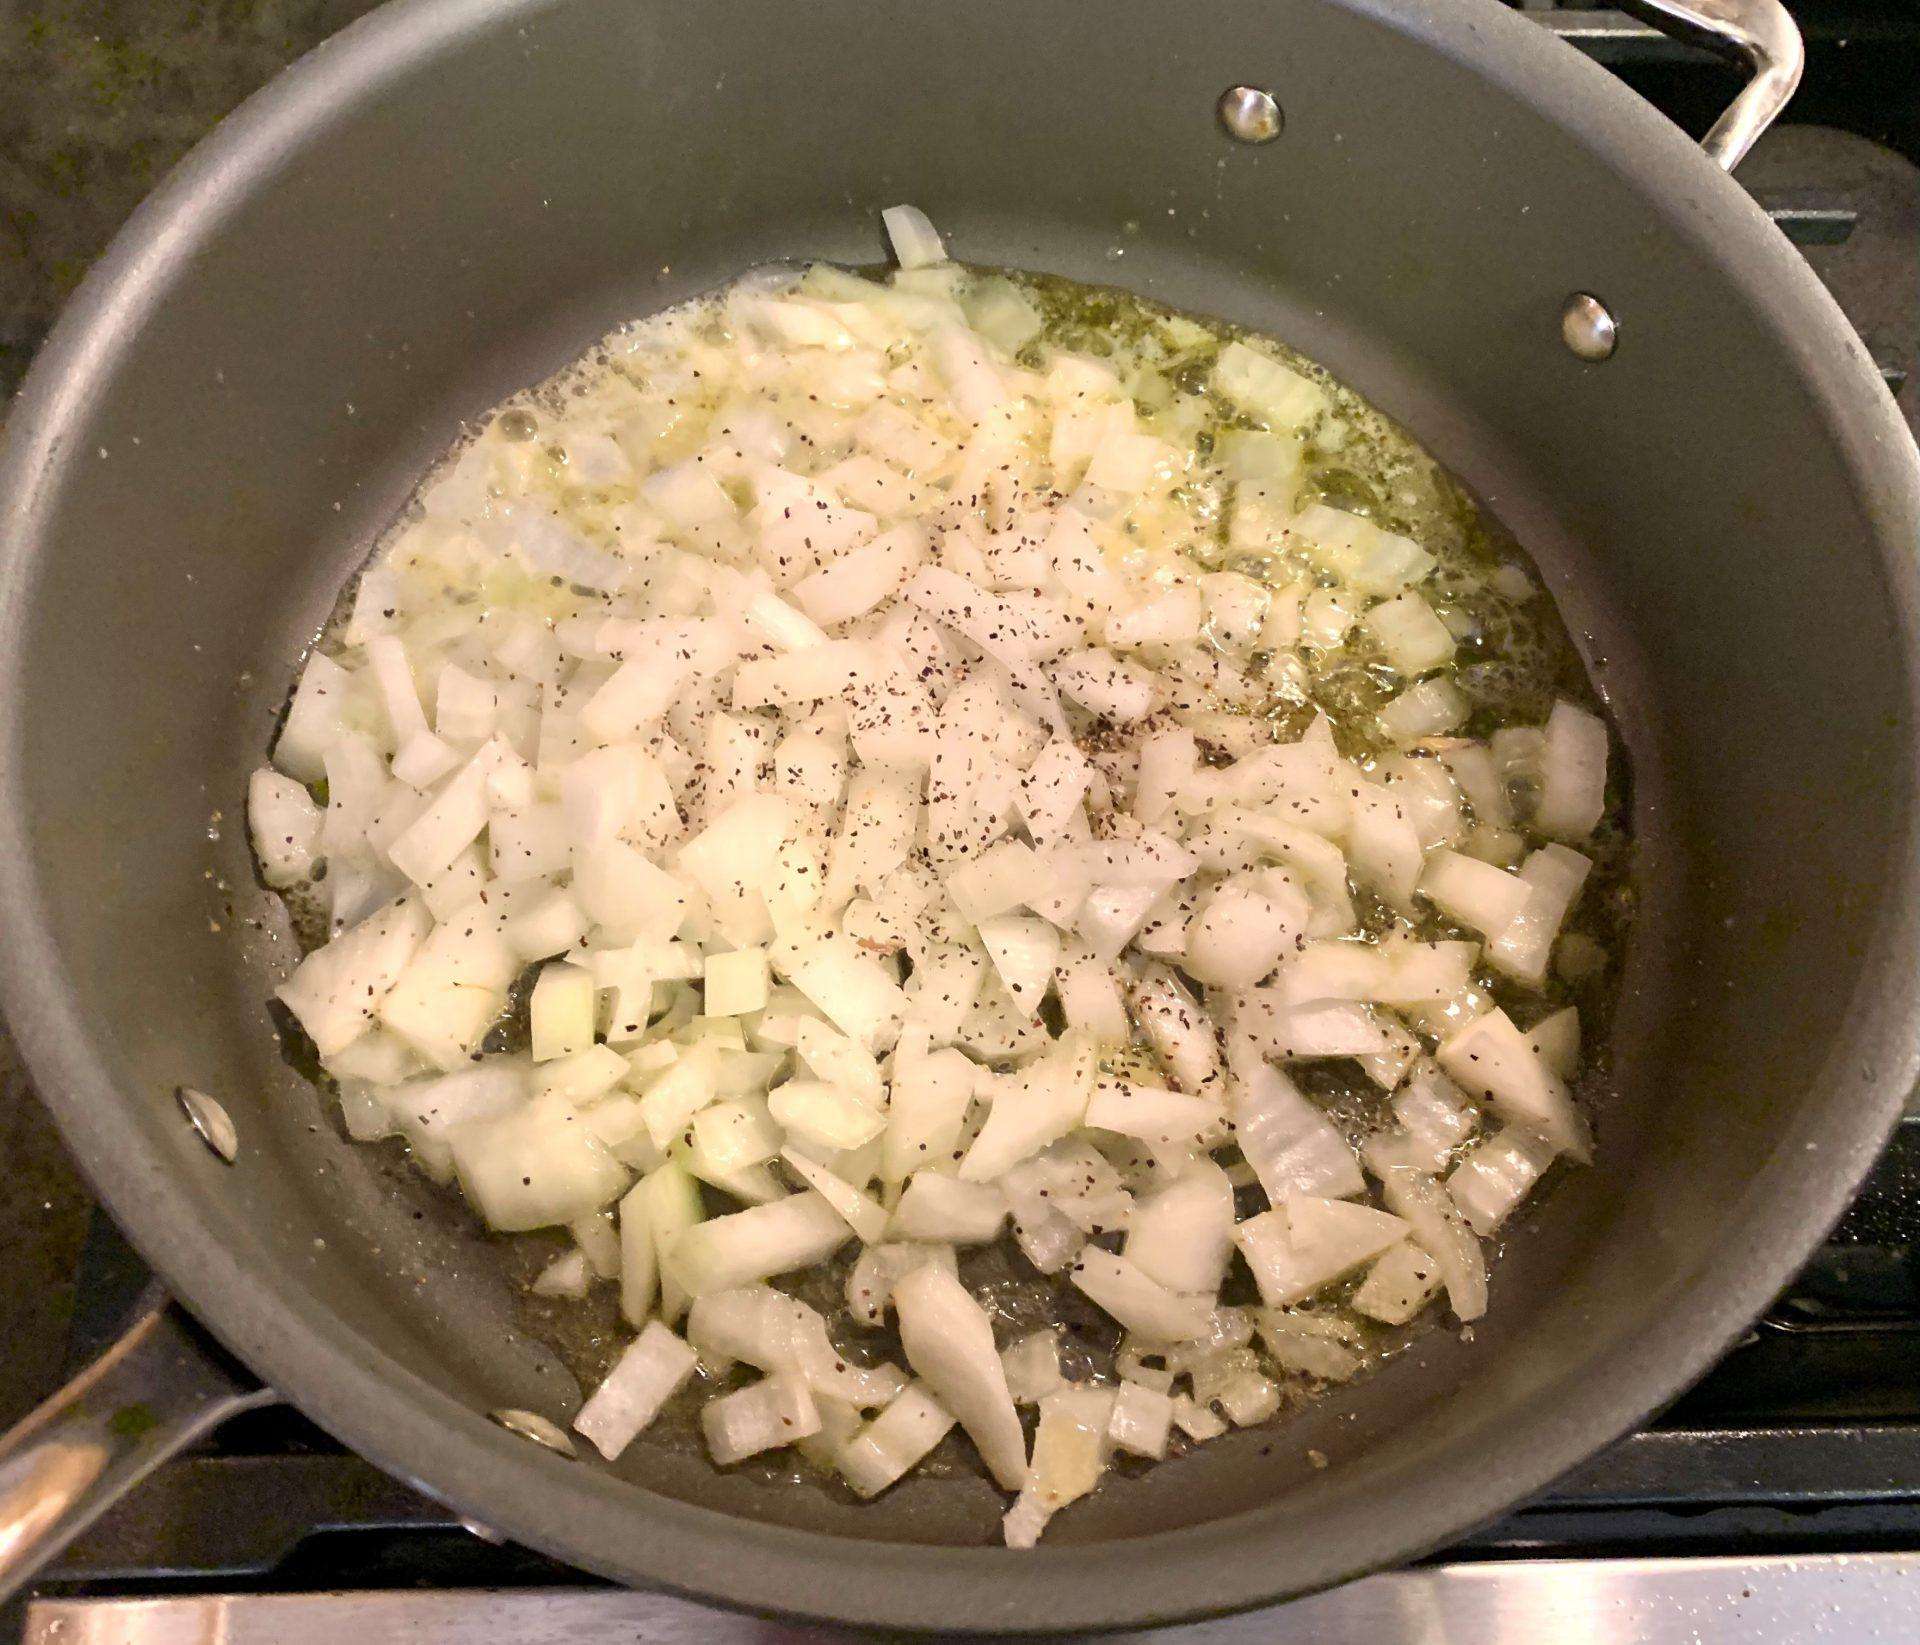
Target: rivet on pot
[1588,327]
[211,1121]
[1250,115]
[532,1425]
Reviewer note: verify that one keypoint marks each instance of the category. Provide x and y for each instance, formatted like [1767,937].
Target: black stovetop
[1805,1439]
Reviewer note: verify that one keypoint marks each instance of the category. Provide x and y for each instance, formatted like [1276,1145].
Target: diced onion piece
[1278,395]
[1141,1420]
[1033,1366]
[829,1116]
[583,1076]
[316,719]
[895,1441]
[871,1280]
[1198,1422]
[1557,1040]
[1004,877]
[1496,1174]
[1182,1036]
[450,824]
[285,827]
[1307,1243]
[534,1167]
[863,577]
[1315,1345]
[926,1105]
[755,1244]
[949,1344]
[1398,1285]
[1429,709]
[1239,931]
[1069,1455]
[562,1011]
[1181,1234]
[774,1412]
[1472,767]
[1573,774]
[643,1379]
[852,989]
[1361,554]
[1101,683]
[830,669]
[840,1061]
[1024,951]
[1051,794]
[1090,998]
[915,241]
[1275,1026]
[864,1215]
[337,989]
[565,1276]
[1473,893]
[1035,1106]
[1492,1060]
[774,1333]
[1292,1146]
[1554,877]
[1436,1117]
[736,983]
[1139,1302]
[1424,1205]
[1413,638]
[1151,1113]
[938,1207]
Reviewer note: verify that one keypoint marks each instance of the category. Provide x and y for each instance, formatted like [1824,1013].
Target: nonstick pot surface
[451,199]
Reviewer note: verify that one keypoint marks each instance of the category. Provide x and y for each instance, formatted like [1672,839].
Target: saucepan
[1567,300]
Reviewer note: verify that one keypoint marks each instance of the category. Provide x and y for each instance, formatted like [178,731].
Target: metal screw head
[212,1122]
[532,1425]
[1250,115]
[1588,327]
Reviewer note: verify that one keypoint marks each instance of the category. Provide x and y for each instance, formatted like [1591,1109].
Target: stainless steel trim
[1717,1601]
[157,1389]
[1758,34]
[1600,30]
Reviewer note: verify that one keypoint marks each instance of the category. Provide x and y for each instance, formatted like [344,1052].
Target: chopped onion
[776,1411]
[830,683]
[1493,1061]
[871,1280]
[915,242]
[1069,1455]
[755,1244]
[949,1344]
[1292,1146]
[895,1441]
[642,1380]
[1307,1243]
[1496,1175]
[1139,1302]
[940,1208]
[1033,1367]
[1573,773]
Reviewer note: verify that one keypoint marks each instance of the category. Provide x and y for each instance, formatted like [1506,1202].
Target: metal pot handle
[1762,37]
[155,1391]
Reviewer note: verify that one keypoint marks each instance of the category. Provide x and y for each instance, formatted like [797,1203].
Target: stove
[1778,1500]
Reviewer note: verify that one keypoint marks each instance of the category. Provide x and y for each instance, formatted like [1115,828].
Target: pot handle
[1762,37]
[155,1391]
